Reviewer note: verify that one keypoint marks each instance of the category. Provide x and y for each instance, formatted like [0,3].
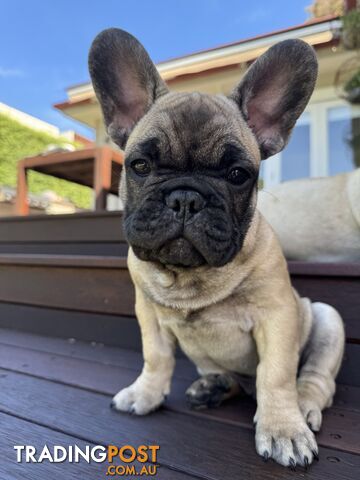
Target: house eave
[318,33]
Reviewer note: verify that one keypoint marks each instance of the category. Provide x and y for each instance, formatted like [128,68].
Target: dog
[316,219]
[208,270]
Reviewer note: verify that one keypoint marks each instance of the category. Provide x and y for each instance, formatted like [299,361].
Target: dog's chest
[216,337]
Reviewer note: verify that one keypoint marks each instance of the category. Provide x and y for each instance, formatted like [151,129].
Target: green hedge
[18,141]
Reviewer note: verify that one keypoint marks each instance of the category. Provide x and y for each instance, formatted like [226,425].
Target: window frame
[319,145]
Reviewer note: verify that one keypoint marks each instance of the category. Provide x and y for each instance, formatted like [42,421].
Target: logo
[126,460]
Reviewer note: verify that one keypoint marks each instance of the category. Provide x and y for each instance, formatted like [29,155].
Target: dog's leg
[281,431]
[149,390]
[321,361]
[212,389]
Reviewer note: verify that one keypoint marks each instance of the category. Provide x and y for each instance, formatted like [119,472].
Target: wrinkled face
[191,160]
[190,185]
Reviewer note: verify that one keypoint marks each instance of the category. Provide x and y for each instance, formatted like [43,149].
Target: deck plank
[92,351]
[189,444]
[341,428]
[347,396]
[16,431]
[121,357]
[118,330]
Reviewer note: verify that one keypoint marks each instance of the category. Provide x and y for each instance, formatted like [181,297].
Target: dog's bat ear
[275,91]
[125,81]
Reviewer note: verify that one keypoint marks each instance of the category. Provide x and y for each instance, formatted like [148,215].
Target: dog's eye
[238,176]
[141,166]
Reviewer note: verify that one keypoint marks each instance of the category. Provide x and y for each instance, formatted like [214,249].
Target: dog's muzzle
[183,222]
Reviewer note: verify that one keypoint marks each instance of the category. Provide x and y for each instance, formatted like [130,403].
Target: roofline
[234,53]
[317,33]
[315,21]
[75,103]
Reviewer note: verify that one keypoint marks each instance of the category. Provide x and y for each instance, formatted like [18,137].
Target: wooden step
[94,284]
[92,298]
[88,233]
[102,285]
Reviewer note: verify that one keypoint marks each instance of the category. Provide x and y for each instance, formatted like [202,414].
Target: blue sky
[44,44]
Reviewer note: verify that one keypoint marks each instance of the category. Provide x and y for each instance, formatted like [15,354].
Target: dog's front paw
[137,399]
[286,438]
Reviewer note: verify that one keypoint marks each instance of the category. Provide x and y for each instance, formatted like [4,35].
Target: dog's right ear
[274,92]
[125,81]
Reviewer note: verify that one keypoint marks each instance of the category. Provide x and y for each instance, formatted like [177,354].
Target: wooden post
[22,205]
[350,5]
[102,176]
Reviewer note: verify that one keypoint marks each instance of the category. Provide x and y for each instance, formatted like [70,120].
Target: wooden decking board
[64,261]
[16,431]
[88,289]
[341,429]
[116,330]
[94,352]
[347,396]
[131,359]
[66,248]
[350,372]
[81,227]
[188,443]
[342,292]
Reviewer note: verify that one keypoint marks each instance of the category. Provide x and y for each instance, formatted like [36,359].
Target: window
[261,175]
[325,141]
[295,159]
[343,139]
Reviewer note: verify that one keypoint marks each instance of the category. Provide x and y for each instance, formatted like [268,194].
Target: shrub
[18,141]
[351,29]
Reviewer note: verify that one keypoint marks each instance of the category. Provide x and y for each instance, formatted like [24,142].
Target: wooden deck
[57,392]
[64,278]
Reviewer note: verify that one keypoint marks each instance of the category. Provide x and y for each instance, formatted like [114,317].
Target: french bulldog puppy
[208,270]
[316,219]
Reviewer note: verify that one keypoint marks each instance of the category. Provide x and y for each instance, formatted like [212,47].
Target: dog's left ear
[275,91]
[125,81]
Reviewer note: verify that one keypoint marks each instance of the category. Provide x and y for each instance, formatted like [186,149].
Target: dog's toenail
[112,404]
[316,455]
[265,457]
[292,464]
[306,462]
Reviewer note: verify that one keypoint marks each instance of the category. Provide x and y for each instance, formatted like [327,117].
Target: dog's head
[192,160]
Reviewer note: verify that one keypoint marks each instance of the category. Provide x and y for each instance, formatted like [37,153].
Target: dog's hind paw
[311,413]
[210,390]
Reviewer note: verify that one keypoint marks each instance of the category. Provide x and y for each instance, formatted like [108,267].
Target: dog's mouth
[177,252]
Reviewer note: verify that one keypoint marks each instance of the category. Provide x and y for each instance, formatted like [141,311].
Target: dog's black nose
[185,203]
